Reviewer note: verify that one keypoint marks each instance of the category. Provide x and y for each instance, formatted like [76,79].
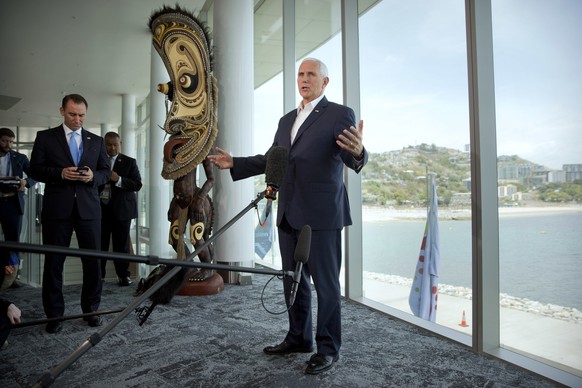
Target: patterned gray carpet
[217,341]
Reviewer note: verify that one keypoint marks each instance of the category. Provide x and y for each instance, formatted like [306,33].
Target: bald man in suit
[118,205]
[321,139]
[70,202]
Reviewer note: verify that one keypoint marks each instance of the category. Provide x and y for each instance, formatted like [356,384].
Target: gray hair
[322,66]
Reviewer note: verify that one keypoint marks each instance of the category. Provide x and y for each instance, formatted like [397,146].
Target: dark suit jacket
[50,154]
[313,192]
[20,165]
[123,199]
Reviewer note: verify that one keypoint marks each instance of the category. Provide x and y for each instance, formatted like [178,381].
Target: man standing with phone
[72,163]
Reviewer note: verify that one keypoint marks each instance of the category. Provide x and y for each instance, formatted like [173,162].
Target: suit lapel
[61,140]
[117,163]
[86,146]
[285,141]
[315,114]
[13,163]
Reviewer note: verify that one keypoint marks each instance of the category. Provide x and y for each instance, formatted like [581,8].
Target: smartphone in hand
[82,170]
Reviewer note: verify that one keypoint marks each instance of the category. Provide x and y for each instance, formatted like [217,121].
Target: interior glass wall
[318,37]
[268,109]
[538,92]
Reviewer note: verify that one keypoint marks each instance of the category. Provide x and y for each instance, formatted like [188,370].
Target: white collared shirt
[302,113]
[68,132]
[5,168]
[112,159]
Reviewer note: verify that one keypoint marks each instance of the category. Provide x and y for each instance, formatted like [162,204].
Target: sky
[414,86]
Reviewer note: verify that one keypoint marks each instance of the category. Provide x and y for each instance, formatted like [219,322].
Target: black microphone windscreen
[277,159]
[303,245]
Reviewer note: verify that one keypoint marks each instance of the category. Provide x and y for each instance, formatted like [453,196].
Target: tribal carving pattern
[184,46]
[191,103]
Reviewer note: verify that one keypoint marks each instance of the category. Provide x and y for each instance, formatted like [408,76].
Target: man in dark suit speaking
[118,205]
[321,139]
[72,163]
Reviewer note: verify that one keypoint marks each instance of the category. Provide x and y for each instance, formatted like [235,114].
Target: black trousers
[59,233]
[323,267]
[116,232]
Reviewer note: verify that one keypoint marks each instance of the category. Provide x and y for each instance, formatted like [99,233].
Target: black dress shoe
[286,348]
[319,363]
[94,320]
[53,327]
[125,282]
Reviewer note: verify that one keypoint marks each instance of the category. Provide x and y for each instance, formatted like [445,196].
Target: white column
[159,188]
[484,206]
[128,126]
[105,128]
[233,39]
[354,265]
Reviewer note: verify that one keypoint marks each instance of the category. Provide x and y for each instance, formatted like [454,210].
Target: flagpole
[427,191]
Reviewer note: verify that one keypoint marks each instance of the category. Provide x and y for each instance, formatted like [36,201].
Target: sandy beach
[376,213]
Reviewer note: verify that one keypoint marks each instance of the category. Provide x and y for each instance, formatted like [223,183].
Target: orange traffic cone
[463,321]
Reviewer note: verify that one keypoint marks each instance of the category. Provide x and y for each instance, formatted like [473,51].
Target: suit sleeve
[4,305]
[347,120]
[245,167]
[23,166]
[39,169]
[26,169]
[102,172]
[132,180]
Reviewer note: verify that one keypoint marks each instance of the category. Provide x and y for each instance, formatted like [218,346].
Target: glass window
[315,37]
[414,104]
[318,35]
[268,109]
[538,93]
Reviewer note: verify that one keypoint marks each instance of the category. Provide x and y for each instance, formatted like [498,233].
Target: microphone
[277,159]
[301,256]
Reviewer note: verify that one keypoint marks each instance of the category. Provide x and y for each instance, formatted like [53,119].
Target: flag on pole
[424,293]
[264,234]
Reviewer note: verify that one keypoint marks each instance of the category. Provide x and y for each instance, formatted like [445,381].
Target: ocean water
[540,254]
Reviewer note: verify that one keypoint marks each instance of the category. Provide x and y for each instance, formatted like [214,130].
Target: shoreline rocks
[569,314]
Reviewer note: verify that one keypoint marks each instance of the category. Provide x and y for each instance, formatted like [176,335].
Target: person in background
[72,163]
[13,166]
[9,315]
[321,139]
[118,205]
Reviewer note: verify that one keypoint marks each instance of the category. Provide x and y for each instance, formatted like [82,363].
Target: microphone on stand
[277,159]
[301,255]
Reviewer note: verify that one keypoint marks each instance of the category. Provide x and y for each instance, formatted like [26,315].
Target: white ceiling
[99,49]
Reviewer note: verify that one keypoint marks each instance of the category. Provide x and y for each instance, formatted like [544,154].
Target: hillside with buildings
[398,178]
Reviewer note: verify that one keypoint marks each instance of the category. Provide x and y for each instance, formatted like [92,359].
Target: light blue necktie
[74,147]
